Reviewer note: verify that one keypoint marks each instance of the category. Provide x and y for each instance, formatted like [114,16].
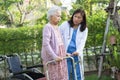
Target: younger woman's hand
[75,54]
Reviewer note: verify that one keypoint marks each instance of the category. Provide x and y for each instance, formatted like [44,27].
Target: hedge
[22,39]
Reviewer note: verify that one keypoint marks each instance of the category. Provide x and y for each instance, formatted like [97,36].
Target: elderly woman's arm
[46,43]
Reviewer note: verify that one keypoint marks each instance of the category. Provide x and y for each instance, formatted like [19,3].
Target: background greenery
[24,24]
[18,40]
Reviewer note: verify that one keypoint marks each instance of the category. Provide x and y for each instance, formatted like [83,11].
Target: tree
[22,12]
[90,5]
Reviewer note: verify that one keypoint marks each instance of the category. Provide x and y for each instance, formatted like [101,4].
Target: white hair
[52,11]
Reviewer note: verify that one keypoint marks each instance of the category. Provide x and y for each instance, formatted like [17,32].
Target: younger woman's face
[77,19]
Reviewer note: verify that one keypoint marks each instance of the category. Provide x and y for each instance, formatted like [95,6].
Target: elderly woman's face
[56,17]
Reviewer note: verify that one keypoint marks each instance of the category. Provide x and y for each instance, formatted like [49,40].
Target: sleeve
[81,44]
[46,42]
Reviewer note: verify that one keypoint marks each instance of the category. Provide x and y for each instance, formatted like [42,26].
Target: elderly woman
[52,46]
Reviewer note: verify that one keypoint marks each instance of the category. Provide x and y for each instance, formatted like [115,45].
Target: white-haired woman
[52,46]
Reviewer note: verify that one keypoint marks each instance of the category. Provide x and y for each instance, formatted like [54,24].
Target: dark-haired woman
[74,33]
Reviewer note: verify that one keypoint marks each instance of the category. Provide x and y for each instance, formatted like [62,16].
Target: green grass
[94,77]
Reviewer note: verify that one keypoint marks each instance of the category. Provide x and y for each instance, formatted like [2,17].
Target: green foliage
[96,27]
[17,40]
[19,12]
[3,18]
[64,17]
[42,20]
[90,6]
[114,57]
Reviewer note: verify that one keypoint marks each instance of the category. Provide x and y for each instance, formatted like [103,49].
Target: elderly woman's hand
[68,54]
[58,59]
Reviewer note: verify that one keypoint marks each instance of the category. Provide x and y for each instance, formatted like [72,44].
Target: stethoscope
[69,32]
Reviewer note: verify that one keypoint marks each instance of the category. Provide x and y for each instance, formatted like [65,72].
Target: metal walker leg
[46,66]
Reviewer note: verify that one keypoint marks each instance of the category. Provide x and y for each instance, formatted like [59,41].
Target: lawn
[94,77]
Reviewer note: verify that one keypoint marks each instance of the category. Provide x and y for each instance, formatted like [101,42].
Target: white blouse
[81,37]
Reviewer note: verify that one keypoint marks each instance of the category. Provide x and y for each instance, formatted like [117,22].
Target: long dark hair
[83,23]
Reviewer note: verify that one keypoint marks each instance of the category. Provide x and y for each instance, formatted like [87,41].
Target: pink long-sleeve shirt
[49,44]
